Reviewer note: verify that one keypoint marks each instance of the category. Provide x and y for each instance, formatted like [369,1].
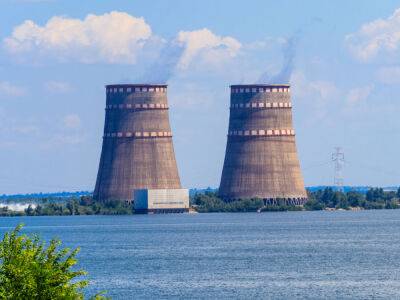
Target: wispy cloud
[58,140]
[389,75]
[69,133]
[9,89]
[25,129]
[318,96]
[358,94]
[72,121]
[373,38]
[33,1]
[320,90]
[57,86]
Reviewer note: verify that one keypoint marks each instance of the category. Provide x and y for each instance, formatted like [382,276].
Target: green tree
[355,199]
[313,204]
[30,270]
[29,211]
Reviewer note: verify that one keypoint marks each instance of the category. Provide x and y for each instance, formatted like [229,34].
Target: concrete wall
[137,151]
[153,199]
[261,157]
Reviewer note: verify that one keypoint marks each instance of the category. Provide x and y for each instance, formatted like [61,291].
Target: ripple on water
[271,255]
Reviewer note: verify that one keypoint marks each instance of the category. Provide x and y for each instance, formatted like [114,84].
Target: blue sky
[56,57]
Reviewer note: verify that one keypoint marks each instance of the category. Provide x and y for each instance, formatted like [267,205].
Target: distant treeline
[85,205]
[61,196]
[36,196]
[375,198]
[209,201]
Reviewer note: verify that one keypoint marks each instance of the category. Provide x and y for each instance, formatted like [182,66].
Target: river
[303,255]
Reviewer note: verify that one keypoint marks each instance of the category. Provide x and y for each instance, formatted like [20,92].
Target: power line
[316,165]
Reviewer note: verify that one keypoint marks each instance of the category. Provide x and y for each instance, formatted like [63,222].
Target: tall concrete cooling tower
[137,148]
[261,158]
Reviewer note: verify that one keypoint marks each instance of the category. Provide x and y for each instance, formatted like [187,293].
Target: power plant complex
[138,162]
[261,157]
[137,151]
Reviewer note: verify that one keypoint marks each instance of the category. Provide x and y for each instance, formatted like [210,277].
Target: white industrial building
[161,200]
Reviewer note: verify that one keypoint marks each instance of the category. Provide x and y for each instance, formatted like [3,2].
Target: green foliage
[210,202]
[245,205]
[319,200]
[30,270]
[375,198]
[313,204]
[84,205]
[4,211]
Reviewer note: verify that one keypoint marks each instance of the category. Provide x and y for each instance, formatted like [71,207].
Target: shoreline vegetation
[30,268]
[208,202]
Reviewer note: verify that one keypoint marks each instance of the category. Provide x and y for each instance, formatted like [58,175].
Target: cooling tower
[261,158]
[137,150]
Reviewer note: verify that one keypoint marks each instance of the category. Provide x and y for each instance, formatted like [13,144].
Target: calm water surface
[306,255]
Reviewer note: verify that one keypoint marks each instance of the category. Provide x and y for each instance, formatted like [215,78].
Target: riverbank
[209,202]
[326,199]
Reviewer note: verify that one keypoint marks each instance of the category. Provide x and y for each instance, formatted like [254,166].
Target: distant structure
[338,163]
[261,157]
[149,201]
[137,150]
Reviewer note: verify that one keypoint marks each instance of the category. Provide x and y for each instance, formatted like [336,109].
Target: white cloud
[207,46]
[57,86]
[59,139]
[359,94]
[265,44]
[66,140]
[318,89]
[26,129]
[8,89]
[70,133]
[114,37]
[381,35]
[201,98]
[33,1]
[72,121]
[389,75]
[318,97]
[7,144]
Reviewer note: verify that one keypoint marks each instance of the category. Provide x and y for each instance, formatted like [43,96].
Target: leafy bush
[30,270]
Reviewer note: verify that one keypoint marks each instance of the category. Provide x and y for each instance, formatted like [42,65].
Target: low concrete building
[161,200]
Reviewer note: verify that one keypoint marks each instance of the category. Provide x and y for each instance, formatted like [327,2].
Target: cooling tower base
[273,201]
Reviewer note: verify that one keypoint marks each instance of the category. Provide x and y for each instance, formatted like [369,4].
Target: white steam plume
[165,65]
[289,54]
